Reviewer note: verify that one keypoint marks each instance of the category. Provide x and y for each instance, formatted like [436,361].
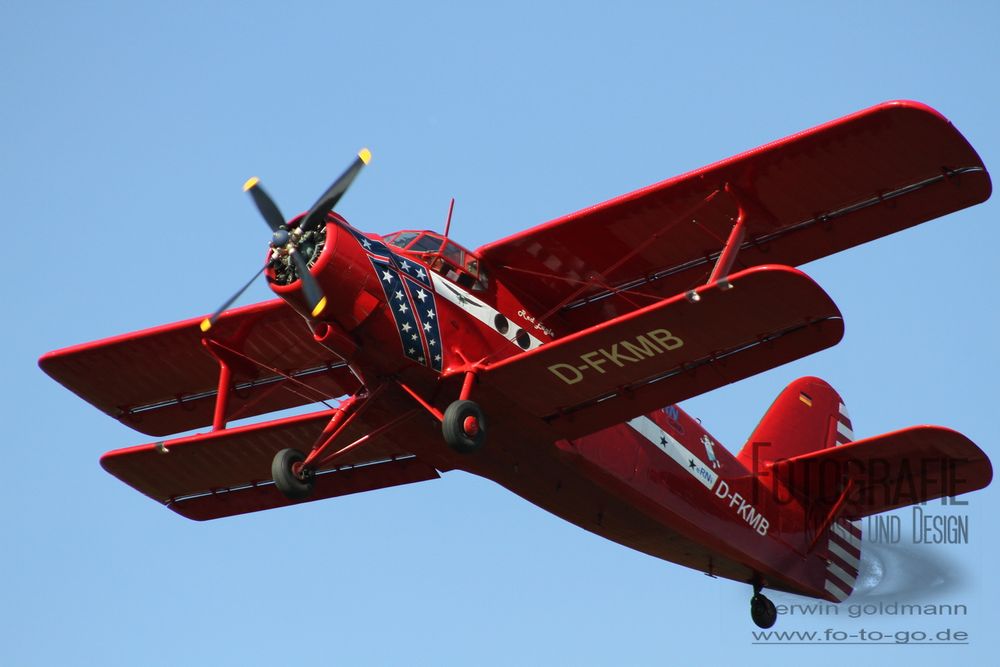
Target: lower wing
[228,472]
[681,347]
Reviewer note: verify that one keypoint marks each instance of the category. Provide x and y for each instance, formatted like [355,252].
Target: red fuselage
[659,483]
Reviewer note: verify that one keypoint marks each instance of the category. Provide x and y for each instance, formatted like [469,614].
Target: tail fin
[797,445]
[808,415]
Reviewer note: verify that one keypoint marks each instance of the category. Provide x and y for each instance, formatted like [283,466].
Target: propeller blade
[266,205]
[314,295]
[333,194]
[207,323]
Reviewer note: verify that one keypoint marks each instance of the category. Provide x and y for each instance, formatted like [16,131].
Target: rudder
[807,416]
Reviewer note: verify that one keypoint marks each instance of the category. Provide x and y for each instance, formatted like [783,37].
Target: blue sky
[126,131]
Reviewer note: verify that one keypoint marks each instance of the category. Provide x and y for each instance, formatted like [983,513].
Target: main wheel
[762,611]
[294,481]
[464,427]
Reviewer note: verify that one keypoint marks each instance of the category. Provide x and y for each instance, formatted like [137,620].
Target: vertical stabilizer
[809,415]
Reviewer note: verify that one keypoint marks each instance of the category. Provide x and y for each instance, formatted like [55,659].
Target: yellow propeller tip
[205,325]
[319,307]
[251,182]
[365,155]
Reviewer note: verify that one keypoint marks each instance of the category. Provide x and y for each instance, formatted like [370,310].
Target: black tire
[762,611]
[452,426]
[292,486]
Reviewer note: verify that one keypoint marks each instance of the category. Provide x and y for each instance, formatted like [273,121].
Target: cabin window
[402,239]
[444,256]
[453,253]
[427,243]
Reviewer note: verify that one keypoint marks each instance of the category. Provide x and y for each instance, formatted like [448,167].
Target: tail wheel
[464,426]
[762,611]
[293,480]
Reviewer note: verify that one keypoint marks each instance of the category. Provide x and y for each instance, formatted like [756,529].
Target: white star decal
[437,357]
[430,314]
[422,295]
[402,308]
[411,351]
[427,326]
[413,336]
[387,276]
[399,294]
[406,326]
[366,244]
[432,342]
[421,274]
[404,265]
[420,359]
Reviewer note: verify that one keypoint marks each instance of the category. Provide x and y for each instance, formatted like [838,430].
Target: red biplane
[552,361]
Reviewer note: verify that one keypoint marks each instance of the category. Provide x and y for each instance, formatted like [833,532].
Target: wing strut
[225,383]
[729,251]
[229,358]
[638,248]
[350,409]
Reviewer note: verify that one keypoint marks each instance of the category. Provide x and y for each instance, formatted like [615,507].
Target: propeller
[333,194]
[284,240]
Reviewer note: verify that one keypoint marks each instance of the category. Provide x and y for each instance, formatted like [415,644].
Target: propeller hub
[280,238]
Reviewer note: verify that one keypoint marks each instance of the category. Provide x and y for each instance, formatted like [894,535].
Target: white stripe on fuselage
[479,309]
[697,468]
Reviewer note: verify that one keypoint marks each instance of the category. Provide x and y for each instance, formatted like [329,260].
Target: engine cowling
[343,272]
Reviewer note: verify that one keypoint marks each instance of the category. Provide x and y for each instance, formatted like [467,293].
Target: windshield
[444,256]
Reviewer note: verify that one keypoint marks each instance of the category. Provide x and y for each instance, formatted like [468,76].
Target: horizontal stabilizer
[681,347]
[888,471]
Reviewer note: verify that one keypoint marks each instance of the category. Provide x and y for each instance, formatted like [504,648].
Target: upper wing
[228,472]
[888,471]
[163,380]
[806,196]
[668,352]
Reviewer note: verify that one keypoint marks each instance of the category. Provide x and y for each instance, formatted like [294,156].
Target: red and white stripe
[844,537]
[844,431]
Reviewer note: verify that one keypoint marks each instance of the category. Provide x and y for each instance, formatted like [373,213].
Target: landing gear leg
[463,424]
[762,610]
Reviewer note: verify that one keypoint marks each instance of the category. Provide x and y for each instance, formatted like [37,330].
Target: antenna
[447,225]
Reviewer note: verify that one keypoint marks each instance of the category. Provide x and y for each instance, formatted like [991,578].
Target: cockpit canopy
[443,255]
